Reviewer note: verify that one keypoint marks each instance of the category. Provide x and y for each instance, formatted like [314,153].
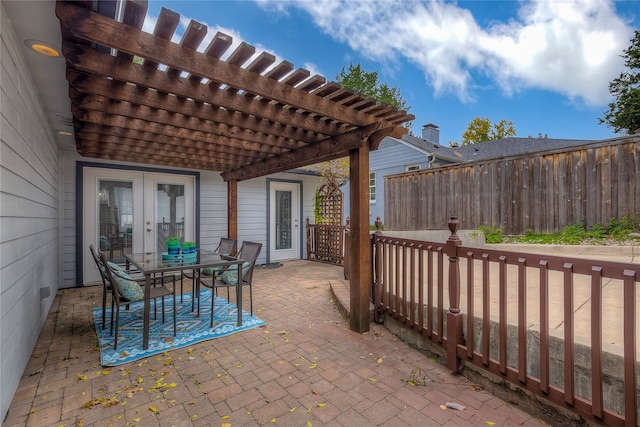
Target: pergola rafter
[243,114]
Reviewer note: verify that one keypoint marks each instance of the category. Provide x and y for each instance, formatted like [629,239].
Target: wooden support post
[232,209]
[454,317]
[360,252]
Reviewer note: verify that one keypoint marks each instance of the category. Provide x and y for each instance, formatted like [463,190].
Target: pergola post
[360,262]
[232,209]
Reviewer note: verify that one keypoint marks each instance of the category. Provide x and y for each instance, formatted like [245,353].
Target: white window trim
[374,186]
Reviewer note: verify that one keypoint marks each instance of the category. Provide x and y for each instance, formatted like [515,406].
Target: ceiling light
[42,48]
[64,132]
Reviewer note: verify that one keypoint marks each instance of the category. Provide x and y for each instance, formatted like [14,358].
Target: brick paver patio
[303,368]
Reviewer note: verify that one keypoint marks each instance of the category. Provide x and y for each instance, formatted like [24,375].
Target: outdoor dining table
[152,263]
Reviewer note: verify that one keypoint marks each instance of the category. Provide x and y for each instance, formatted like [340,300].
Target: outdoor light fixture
[42,48]
[64,133]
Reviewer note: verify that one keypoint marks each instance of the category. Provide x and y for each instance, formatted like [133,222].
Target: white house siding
[390,158]
[252,209]
[29,214]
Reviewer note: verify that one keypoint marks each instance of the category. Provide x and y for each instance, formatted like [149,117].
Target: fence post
[347,249]
[454,317]
[308,239]
[375,272]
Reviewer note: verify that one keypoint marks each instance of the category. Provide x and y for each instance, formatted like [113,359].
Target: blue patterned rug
[190,329]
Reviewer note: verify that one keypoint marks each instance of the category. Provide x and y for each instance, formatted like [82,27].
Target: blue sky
[546,65]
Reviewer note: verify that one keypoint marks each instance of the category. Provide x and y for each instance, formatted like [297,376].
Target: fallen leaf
[153,409]
[309,424]
[225,417]
[82,377]
[273,420]
[225,425]
[490,423]
[444,408]
[292,409]
[193,417]
[373,380]
[379,359]
[320,405]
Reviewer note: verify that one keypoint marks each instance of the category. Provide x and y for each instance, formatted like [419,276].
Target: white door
[284,220]
[127,211]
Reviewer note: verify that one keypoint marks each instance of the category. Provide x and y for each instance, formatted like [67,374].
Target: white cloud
[150,23]
[572,47]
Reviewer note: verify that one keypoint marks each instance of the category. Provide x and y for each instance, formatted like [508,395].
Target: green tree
[624,114]
[367,84]
[480,130]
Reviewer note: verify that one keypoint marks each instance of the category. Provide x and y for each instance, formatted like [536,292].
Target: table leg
[147,309]
[239,294]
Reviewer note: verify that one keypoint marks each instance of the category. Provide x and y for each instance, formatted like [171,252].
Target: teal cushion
[115,266]
[230,276]
[127,288]
[208,271]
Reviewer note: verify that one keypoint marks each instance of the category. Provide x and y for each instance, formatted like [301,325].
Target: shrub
[619,229]
[492,234]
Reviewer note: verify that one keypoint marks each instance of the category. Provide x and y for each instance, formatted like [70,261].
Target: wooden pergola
[141,97]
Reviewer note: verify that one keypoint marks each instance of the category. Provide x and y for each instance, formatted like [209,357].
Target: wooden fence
[325,242]
[543,192]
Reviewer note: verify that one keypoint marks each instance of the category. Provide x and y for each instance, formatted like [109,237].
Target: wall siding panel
[29,214]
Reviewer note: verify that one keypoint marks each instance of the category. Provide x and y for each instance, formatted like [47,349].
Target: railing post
[378,224]
[308,239]
[375,272]
[454,317]
[347,249]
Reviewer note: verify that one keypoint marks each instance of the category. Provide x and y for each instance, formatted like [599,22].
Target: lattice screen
[331,204]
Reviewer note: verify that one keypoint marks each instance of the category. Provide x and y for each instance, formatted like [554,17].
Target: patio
[305,367]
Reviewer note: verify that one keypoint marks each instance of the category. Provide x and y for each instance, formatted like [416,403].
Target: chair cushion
[230,276]
[208,271]
[128,289]
[115,266]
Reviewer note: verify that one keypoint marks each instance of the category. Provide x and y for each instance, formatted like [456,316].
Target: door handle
[148,229]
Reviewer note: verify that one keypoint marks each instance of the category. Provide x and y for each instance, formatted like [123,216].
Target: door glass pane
[170,212]
[283,220]
[115,218]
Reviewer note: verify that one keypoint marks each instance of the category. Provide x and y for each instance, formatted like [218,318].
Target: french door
[284,220]
[129,211]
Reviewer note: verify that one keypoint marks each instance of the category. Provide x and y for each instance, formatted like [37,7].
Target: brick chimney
[431,133]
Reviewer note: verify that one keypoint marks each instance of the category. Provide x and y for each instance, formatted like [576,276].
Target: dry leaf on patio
[82,377]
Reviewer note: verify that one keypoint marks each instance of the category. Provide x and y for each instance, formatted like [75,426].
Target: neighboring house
[512,146]
[52,199]
[401,155]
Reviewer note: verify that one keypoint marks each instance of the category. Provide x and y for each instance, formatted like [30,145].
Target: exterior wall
[391,157]
[253,214]
[29,215]
[252,210]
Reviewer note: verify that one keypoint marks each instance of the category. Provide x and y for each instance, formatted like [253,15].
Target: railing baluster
[568,334]
[596,342]
[440,294]
[486,320]
[502,307]
[630,330]
[421,288]
[544,326]
[430,289]
[470,305]
[522,320]
[412,281]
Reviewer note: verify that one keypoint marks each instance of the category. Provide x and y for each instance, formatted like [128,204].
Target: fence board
[543,192]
